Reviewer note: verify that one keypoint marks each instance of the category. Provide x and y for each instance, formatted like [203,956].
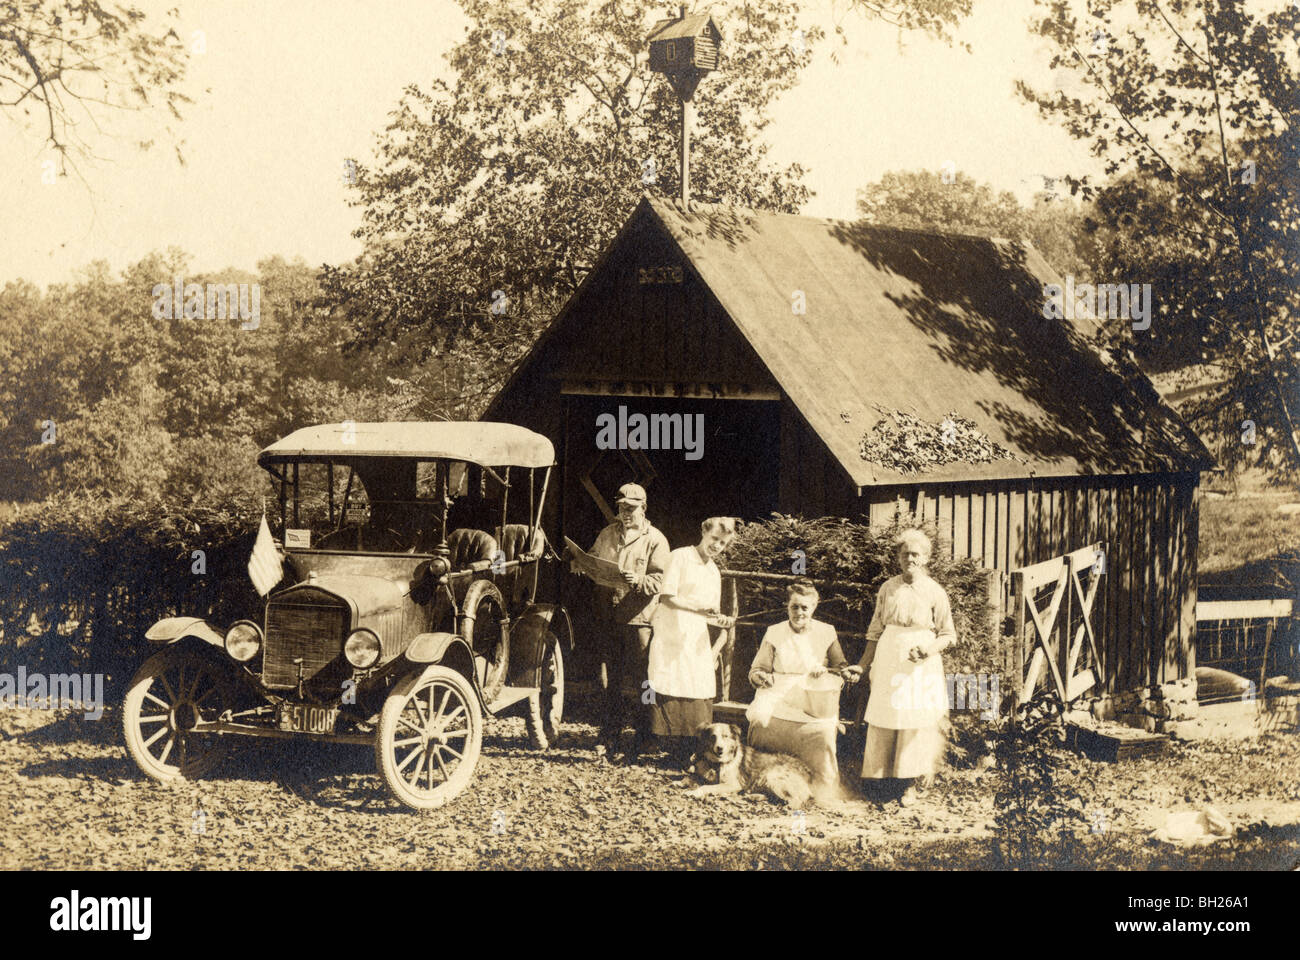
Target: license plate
[308,718]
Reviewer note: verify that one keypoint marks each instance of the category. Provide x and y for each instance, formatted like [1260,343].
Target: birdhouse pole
[688,119]
[684,50]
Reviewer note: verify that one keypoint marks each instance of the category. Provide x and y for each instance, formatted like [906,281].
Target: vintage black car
[406,612]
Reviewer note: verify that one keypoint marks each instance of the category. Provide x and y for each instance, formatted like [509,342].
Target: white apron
[784,699]
[681,657]
[906,695]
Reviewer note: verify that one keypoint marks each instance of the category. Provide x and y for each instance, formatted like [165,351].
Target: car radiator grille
[310,625]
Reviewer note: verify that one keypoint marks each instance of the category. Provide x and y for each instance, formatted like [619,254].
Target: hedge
[82,578]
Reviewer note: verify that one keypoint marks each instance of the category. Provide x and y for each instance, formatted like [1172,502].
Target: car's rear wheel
[485,627]
[172,691]
[546,706]
[429,738]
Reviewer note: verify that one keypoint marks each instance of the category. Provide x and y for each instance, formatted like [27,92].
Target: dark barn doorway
[736,475]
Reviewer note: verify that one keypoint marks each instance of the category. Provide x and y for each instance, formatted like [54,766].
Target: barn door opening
[735,473]
[731,470]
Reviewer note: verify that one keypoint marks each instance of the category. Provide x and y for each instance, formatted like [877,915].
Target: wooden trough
[1114,743]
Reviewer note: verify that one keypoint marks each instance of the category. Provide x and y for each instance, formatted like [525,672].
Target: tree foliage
[936,17]
[1194,106]
[928,200]
[99,397]
[513,175]
[499,187]
[65,62]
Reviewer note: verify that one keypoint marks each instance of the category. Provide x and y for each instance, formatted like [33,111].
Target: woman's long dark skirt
[679,716]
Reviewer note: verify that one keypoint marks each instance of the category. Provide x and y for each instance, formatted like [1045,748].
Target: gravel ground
[70,798]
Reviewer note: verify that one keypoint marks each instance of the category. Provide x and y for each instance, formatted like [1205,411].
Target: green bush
[1040,812]
[82,578]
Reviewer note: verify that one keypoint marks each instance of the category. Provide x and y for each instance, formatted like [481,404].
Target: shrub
[1038,809]
[82,578]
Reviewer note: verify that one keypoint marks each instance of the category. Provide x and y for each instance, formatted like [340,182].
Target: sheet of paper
[604,572]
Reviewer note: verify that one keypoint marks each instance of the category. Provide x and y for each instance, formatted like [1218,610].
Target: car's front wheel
[174,690]
[429,738]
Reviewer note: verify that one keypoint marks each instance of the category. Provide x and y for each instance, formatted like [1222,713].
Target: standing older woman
[910,628]
[688,633]
[796,648]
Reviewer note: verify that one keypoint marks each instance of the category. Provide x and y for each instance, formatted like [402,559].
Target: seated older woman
[793,651]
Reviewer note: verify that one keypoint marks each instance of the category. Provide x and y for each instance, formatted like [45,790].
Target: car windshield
[384,505]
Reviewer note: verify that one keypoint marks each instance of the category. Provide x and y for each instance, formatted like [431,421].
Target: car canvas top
[485,443]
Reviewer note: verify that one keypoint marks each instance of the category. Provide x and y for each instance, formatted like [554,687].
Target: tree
[492,194]
[935,17]
[101,395]
[84,411]
[1197,105]
[57,54]
[926,200]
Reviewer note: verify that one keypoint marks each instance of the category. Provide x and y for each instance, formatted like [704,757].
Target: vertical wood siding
[1144,614]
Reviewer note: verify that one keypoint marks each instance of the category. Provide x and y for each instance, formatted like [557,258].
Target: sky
[297,86]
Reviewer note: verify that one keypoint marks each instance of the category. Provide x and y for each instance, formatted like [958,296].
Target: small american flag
[264,567]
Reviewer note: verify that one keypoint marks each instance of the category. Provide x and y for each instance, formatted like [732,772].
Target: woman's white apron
[681,659]
[785,698]
[906,695]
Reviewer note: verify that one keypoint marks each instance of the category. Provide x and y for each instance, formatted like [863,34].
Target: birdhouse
[688,44]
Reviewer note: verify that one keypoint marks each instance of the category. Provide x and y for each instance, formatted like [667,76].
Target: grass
[1243,533]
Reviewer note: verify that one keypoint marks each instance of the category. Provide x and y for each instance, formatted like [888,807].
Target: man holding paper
[623,613]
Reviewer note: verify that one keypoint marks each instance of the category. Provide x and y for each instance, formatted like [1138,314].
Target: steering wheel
[337,538]
[399,538]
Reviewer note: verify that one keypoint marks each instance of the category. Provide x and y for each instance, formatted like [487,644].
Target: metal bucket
[822,696]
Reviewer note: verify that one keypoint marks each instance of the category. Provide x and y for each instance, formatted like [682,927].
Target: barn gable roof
[926,323]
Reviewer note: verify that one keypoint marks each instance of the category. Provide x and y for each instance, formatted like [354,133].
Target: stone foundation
[1172,708]
[1158,709]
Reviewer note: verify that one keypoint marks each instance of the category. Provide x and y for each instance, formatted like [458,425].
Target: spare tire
[486,628]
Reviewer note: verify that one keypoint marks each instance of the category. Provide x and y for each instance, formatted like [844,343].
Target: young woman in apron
[688,636]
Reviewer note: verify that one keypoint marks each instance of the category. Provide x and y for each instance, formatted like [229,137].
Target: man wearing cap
[624,612]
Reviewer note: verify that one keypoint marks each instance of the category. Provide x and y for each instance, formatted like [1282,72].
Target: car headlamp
[362,648]
[243,640]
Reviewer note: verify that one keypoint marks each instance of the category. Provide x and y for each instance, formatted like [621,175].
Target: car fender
[432,647]
[531,635]
[552,617]
[172,629]
[449,649]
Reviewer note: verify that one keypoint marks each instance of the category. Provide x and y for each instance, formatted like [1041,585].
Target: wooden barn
[789,335]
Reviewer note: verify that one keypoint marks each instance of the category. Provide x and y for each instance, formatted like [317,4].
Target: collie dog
[723,763]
